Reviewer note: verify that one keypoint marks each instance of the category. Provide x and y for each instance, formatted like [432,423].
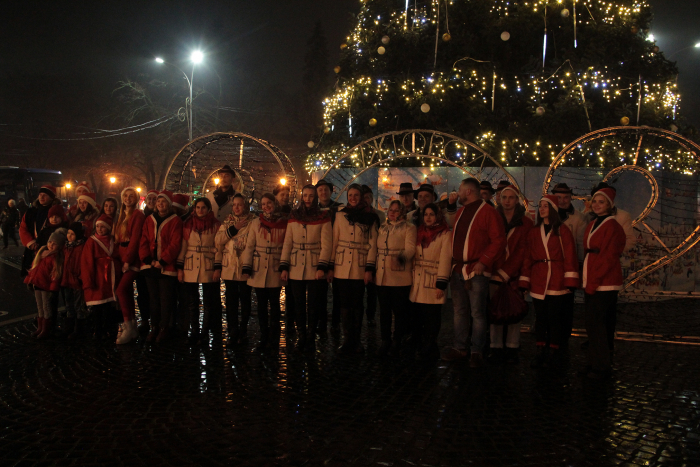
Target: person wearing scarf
[199,262]
[604,241]
[127,236]
[33,220]
[431,274]
[304,263]
[355,246]
[261,268]
[231,240]
[71,285]
[396,246]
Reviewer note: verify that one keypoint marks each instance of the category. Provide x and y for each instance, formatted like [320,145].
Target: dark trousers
[371,309]
[269,313]
[75,303]
[351,293]
[290,305]
[323,311]
[8,232]
[307,308]
[567,318]
[212,306]
[142,297]
[393,301]
[548,320]
[238,291]
[427,323]
[162,295]
[601,307]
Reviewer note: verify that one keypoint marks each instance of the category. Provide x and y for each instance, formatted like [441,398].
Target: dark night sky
[245,41]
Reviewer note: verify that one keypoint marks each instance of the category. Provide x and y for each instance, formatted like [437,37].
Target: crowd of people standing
[479,242]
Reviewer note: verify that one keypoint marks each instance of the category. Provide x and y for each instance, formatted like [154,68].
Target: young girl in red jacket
[160,245]
[71,285]
[127,235]
[100,271]
[87,212]
[549,272]
[45,279]
[604,241]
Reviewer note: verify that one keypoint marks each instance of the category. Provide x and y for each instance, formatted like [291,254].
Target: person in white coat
[355,247]
[261,268]
[231,239]
[305,258]
[199,262]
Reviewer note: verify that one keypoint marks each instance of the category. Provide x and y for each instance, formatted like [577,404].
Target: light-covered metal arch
[260,165]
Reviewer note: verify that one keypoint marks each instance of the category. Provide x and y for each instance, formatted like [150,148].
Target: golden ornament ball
[540,111]
[425,108]
[565,13]
[385,40]
[625,121]
[381,50]
[327,130]
[656,49]
[372,122]
[505,35]
[336,69]
[447,37]
[311,144]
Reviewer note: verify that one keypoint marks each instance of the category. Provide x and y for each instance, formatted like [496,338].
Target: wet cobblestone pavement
[86,403]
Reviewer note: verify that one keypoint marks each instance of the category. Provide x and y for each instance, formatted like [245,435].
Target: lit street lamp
[197,57]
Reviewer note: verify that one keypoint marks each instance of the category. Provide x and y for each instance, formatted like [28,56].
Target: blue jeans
[469,303]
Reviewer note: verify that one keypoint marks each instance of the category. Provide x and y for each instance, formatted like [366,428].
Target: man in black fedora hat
[324,189]
[407,195]
[501,185]
[486,191]
[221,198]
[424,195]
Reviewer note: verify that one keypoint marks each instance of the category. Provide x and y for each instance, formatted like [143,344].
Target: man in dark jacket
[10,221]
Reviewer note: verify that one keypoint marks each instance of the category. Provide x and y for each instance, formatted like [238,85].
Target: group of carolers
[411,257]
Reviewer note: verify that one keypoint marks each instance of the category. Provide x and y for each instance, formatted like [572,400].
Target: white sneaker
[129,333]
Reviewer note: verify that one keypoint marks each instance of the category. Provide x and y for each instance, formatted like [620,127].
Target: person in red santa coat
[80,189]
[604,242]
[71,285]
[100,274]
[35,219]
[507,266]
[161,241]
[127,235]
[549,272]
[45,279]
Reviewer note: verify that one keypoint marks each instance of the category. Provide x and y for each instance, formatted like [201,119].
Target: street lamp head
[216,181]
[159,60]
[112,179]
[697,46]
[197,57]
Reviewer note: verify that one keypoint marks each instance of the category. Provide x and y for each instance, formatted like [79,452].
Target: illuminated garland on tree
[519,78]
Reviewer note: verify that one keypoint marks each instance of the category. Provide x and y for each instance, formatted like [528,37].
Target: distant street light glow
[283,181]
[197,56]
[138,189]
[68,185]
[160,60]
[112,179]
[216,181]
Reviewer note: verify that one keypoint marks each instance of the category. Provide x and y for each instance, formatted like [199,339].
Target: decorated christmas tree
[519,78]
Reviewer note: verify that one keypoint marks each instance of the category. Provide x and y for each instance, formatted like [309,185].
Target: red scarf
[273,229]
[206,224]
[426,235]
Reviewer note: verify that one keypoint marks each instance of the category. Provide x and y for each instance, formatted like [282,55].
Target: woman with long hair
[431,274]
[161,241]
[261,264]
[87,212]
[355,246]
[549,272]
[127,236]
[199,262]
[231,239]
[305,258]
[110,207]
[604,242]
[396,246]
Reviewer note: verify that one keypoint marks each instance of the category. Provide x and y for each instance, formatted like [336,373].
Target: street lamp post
[196,58]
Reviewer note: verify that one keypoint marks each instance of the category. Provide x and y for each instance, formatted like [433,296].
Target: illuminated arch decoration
[670,164]
[427,148]
[260,165]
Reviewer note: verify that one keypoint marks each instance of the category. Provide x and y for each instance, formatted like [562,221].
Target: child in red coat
[71,285]
[100,269]
[549,272]
[45,279]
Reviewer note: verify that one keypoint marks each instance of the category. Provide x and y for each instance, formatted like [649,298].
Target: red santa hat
[152,192]
[84,185]
[105,220]
[609,194]
[127,189]
[168,195]
[511,188]
[90,198]
[48,190]
[551,199]
[180,200]
[57,210]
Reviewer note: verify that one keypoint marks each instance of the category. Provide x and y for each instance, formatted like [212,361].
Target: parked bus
[17,183]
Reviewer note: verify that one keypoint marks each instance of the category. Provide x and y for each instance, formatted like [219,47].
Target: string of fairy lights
[480,81]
